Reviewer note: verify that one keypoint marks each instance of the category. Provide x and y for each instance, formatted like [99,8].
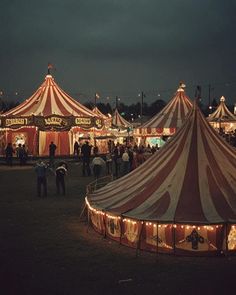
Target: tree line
[129,112]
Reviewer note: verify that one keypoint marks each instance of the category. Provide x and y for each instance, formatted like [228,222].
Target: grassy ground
[46,249]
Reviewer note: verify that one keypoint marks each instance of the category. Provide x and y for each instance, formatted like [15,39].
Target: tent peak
[181,86]
[222,98]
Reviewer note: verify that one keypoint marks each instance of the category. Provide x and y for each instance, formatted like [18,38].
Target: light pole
[96,96]
[117,102]
[141,107]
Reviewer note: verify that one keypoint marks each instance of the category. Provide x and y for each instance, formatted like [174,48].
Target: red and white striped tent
[168,120]
[119,122]
[181,200]
[106,118]
[96,111]
[222,117]
[121,128]
[50,114]
[105,136]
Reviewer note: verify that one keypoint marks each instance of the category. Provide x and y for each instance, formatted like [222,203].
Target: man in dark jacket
[41,171]
[52,151]
[60,178]
[9,154]
[86,153]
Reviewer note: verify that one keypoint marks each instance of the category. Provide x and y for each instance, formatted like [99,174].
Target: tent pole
[173,237]
[157,241]
[82,211]
[139,240]
[226,239]
[105,228]
[88,221]
[38,141]
[121,228]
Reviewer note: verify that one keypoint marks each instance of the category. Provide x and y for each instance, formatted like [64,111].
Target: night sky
[119,47]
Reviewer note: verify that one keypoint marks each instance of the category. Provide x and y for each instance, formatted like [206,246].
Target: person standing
[125,162]
[9,154]
[97,165]
[76,149]
[61,172]
[25,154]
[117,160]
[86,154]
[52,151]
[109,163]
[20,153]
[41,171]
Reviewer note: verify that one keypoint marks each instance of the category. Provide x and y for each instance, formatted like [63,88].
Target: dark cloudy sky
[119,47]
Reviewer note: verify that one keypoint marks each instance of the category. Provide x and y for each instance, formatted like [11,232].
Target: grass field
[46,249]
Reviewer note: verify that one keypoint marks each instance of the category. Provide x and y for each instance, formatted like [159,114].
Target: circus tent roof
[190,180]
[50,99]
[222,113]
[173,114]
[97,112]
[119,121]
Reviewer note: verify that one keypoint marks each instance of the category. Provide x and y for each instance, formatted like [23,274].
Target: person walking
[61,172]
[41,171]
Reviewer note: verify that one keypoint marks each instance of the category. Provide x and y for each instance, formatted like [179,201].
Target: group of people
[120,159]
[20,151]
[42,169]
[230,137]
[128,158]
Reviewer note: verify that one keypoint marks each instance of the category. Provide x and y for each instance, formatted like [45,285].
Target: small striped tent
[168,120]
[222,117]
[119,122]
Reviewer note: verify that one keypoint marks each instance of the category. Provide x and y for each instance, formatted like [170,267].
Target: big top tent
[168,120]
[181,200]
[50,114]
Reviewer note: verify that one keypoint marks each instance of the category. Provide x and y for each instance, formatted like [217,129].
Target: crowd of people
[230,137]
[118,161]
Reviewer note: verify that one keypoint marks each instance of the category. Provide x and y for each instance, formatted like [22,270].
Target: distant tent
[222,117]
[181,200]
[168,120]
[97,112]
[105,135]
[48,115]
[119,122]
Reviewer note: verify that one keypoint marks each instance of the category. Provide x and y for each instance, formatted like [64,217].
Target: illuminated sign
[83,121]
[55,121]
[16,121]
[98,123]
